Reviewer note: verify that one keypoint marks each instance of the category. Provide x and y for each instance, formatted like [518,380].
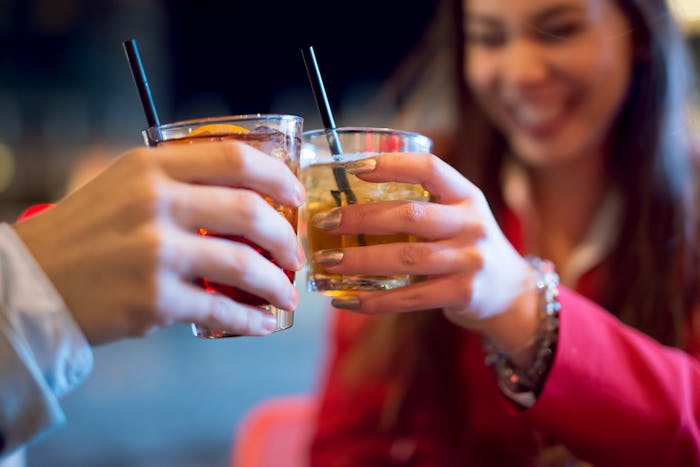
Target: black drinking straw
[139,75]
[327,117]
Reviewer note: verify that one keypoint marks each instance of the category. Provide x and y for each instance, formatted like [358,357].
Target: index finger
[230,163]
[439,178]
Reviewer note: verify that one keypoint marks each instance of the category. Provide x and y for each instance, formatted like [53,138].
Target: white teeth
[537,115]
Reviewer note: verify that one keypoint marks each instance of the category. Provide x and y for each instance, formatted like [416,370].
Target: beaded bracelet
[523,383]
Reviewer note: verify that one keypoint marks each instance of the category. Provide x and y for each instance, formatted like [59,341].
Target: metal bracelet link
[523,383]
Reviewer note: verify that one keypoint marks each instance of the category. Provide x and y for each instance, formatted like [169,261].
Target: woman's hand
[472,272]
[123,249]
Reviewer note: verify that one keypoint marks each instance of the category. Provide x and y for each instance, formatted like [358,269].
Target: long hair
[657,248]
[654,278]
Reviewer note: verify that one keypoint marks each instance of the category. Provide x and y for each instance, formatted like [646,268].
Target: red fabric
[275,433]
[614,397]
[617,397]
[35,209]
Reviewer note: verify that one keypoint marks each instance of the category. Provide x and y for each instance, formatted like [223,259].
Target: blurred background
[66,97]
[66,91]
[68,104]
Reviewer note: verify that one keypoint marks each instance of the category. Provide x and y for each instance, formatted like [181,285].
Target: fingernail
[327,220]
[328,257]
[299,193]
[293,299]
[269,323]
[350,302]
[361,167]
[301,257]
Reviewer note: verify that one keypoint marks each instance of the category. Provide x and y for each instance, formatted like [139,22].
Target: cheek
[607,77]
[479,71]
[481,77]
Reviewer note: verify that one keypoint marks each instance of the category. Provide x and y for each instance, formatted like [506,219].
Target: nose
[524,64]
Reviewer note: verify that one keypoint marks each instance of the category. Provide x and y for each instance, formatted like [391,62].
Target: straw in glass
[139,75]
[324,108]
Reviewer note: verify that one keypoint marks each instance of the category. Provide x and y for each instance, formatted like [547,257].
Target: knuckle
[479,231]
[470,259]
[152,247]
[248,205]
[412,213]
[240,261]
[148,198]
[158,261]
[476,259]
[462,287]
[358,212]
[432,165]
[411,254]
[136,260]
[462,219]
[234,156]
[472,228]
[218,310]
[410,300]
[148,304]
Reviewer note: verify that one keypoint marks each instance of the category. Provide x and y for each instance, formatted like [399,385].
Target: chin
[543,154]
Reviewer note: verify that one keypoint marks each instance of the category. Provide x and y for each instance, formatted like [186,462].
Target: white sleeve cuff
[28,407]
[37,313]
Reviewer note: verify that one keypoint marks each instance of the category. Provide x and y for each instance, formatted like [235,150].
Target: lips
[539,118]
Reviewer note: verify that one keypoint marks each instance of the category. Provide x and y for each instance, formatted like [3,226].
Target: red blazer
[614,397]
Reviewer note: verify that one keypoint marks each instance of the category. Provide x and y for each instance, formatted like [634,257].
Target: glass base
[285,320]
[337,285]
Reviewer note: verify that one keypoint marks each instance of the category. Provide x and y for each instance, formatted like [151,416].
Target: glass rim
[224,118]
[364,129]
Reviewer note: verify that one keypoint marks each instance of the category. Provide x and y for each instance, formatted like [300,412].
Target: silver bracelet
[523,383]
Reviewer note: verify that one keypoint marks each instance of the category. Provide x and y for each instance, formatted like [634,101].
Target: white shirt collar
[596,244]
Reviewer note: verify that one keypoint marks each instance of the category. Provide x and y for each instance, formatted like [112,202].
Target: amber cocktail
[321,166]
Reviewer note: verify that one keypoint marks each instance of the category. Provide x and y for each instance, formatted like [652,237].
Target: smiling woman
[567,140]
[551,77]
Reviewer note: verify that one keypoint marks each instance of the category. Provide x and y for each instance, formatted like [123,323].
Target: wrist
[521,372]
[515,330]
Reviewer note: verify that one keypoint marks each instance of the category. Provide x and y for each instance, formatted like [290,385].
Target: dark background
[65,85]
[359,41]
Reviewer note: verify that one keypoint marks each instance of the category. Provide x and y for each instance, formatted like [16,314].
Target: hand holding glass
[278,136]
[329,186]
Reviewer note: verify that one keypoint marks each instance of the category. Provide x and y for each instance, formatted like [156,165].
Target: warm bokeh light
[687,12]
[7,166]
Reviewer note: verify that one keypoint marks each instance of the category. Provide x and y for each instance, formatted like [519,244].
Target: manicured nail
[327,220]
[350,302]
[361,167]
[328,257]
